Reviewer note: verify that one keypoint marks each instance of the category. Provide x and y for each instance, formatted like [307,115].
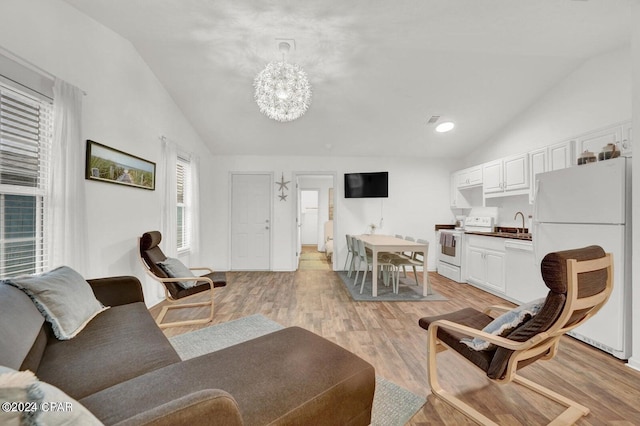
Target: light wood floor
[388,336]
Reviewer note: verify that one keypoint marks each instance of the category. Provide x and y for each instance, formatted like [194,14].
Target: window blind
[26,128]
[183,169]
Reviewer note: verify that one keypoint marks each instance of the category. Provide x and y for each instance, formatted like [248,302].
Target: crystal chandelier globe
[282,90]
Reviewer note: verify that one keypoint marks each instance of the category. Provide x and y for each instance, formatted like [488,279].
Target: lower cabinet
[485,263]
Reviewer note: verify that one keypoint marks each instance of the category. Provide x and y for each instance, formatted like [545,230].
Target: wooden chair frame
[173,304]
[543,343]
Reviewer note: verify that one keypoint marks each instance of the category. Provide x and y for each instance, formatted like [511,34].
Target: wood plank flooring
[387,335]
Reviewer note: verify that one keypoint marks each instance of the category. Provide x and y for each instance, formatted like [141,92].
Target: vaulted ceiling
[378,68]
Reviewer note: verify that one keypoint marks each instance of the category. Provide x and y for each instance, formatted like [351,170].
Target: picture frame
[106,164]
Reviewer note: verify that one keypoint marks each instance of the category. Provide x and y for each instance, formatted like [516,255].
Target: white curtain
[168,218]
[194,204]
[66,210]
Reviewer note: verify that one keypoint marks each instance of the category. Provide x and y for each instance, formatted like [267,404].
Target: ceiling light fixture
[282,90]
[445,126]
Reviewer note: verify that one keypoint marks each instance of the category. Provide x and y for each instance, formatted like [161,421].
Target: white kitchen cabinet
[492,177]
[537,164]
[522,273]
[627,139]
[595,141]
[516,172]
[485,264]
[553,157]
[469,177]
[461,199]
[560,156]
[506,176]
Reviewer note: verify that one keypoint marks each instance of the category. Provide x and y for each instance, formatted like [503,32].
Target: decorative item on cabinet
[587,157]
[608,151]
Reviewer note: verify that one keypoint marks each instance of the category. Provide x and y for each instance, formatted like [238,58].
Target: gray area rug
[392,404]
[408,291]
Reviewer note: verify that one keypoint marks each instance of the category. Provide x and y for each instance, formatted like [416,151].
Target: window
[26,127]
[183,172]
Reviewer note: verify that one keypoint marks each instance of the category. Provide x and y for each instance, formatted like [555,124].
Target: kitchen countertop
[504,234]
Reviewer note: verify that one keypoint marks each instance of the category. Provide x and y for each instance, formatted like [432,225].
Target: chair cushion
[554,271]
[541,322]
[119,344]
[174,268]
[505,324]
[63,297]
[471,318]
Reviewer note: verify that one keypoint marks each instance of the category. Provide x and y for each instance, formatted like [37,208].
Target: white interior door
[251,222]
[309,208]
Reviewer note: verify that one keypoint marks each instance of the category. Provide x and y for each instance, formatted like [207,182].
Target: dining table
[378,243]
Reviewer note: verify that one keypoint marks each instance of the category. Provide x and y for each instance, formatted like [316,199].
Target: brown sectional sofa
[124,370]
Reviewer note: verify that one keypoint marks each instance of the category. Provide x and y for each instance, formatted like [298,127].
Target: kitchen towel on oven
[447,240]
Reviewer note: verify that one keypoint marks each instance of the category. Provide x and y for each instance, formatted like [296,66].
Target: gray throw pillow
[33,402]
[176,269]
[63,297]
[505,324]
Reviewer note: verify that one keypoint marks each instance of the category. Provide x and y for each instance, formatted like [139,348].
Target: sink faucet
[516,216]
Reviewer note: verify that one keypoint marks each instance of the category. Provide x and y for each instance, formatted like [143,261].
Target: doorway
[314,208]
[251,196]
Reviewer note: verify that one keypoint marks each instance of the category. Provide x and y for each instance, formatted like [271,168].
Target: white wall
[126,107]
[595,95]
[418,199]
[634,361]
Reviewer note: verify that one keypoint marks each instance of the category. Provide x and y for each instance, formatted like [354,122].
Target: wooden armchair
[579,281]
[151,255]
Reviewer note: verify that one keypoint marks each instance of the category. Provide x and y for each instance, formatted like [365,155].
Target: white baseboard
[634,363]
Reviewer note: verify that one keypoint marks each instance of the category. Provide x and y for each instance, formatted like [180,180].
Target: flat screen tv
[366,185]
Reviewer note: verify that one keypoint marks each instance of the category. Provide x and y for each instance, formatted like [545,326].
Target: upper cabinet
[594,141]
[469,177]
[561,156]
[620,135]
[508,175]
[466,188]
[516,175]
[554,157]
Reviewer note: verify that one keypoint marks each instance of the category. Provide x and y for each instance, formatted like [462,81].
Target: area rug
[408,291]
[392,404]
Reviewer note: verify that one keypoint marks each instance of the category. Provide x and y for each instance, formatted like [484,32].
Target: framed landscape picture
[114,166]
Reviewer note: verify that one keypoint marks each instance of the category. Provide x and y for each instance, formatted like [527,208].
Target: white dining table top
[388,241]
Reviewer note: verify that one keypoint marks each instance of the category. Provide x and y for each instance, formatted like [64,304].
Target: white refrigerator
[591,205]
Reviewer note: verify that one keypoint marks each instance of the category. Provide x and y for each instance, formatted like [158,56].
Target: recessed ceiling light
[445,126]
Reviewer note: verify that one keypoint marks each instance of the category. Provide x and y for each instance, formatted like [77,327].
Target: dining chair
[385,266]
[349,253]
[355,258]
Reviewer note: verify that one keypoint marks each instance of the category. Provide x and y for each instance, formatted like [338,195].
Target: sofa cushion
[47,405]
[63,297]
[291,376]
[119,344]
[21,325]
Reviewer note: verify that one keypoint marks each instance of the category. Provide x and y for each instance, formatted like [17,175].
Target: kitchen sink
[513,235]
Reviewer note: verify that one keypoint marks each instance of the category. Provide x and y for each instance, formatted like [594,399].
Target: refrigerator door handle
[536,225]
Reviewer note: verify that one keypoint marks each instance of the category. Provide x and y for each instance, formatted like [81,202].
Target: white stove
[451,246]
[479,224]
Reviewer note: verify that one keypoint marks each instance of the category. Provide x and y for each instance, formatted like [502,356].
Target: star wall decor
[283,185]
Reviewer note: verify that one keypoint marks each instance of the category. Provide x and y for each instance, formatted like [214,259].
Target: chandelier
[283,92]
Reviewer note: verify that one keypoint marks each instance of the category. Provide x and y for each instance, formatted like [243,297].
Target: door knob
[266,227]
